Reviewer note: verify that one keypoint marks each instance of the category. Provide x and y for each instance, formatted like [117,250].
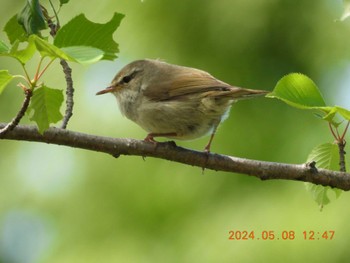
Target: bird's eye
[126,79]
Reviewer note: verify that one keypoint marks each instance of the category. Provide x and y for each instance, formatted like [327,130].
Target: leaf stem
[23,77]
[338,135]
[56,16]
[332,130]
[27,78]
[43,71]
[345,131]
[33,82]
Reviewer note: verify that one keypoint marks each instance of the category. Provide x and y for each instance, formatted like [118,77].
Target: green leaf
[298,91]
[330,116]
[5,78]
[333,111]
[32,18]
[90,34]
[326,156]
[3,48]
[62,2]
[48,50]
[15,31]
[343,112]
[319,194]
[84,54]
[23,55]
[80,54]
[46,103]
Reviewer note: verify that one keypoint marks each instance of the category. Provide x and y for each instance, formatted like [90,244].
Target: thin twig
[341,147]
[67,73]
[69,93]
[169,151]
[11,125]
[56,15]
[53,27]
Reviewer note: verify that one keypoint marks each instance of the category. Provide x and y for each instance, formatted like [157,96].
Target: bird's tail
[237,93]
[240,93]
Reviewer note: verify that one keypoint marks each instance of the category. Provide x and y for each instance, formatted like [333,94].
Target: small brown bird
[174,101]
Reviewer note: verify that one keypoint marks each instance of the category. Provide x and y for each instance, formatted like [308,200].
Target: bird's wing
[182,83]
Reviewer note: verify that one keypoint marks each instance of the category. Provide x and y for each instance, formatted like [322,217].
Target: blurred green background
[59,204]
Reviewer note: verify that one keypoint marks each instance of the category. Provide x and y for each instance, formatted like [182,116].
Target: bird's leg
[207,147]
[150,136]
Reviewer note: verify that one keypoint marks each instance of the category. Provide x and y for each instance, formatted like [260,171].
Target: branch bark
[169,151]
[11,125]
[69,93]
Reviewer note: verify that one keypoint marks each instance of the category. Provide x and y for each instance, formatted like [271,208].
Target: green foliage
[46,105]
[299,91]
[62,2]
[32,18]
[5,78]
[93,43]
[334,110]
[3,47]
[91,34]
[98,208]
[326,156]
[22,55]
[84,54]
[343,112]
[48,50]
[81,54]
[14,30]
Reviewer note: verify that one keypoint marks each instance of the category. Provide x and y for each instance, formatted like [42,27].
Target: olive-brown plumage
[174,101]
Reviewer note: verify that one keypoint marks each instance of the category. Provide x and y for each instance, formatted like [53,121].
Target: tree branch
[11,125]
[69,93]
[67,70]
[169,151]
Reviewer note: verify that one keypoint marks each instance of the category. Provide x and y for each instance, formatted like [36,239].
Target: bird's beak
[106,90]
